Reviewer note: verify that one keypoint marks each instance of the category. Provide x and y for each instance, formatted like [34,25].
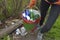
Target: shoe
[39,36]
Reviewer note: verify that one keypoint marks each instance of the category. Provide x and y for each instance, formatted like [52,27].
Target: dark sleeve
[52,1]
[54,12]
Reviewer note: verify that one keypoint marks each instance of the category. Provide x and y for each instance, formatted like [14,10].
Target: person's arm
[51,1]
[57,2]
[32,3]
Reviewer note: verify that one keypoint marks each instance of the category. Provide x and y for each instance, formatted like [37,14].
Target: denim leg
[54,13]
[43,9]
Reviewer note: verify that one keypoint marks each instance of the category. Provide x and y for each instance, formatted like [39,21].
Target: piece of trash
[12,23]
[17,31]
[23,31]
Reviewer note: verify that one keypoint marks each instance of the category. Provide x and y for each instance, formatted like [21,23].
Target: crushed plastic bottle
[23,31]
[18,31]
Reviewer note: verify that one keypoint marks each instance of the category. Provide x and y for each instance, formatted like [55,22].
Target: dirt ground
[27,37]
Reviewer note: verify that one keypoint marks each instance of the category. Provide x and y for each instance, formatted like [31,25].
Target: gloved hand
[58,2]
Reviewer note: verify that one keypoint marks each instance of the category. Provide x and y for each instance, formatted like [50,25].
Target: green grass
[54,33]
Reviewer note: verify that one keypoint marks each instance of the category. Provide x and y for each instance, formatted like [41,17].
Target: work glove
[58,2]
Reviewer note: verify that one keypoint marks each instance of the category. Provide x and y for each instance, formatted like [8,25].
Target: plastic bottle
[31,15]
[23,31]
[36,16]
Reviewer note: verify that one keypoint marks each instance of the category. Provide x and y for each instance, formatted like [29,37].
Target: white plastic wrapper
[23,14]
[18,31]
[21,31]
[28,18]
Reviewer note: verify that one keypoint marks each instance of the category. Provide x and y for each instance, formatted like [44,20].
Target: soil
[27,37]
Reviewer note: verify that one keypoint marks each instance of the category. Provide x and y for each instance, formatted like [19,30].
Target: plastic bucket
[30,25]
